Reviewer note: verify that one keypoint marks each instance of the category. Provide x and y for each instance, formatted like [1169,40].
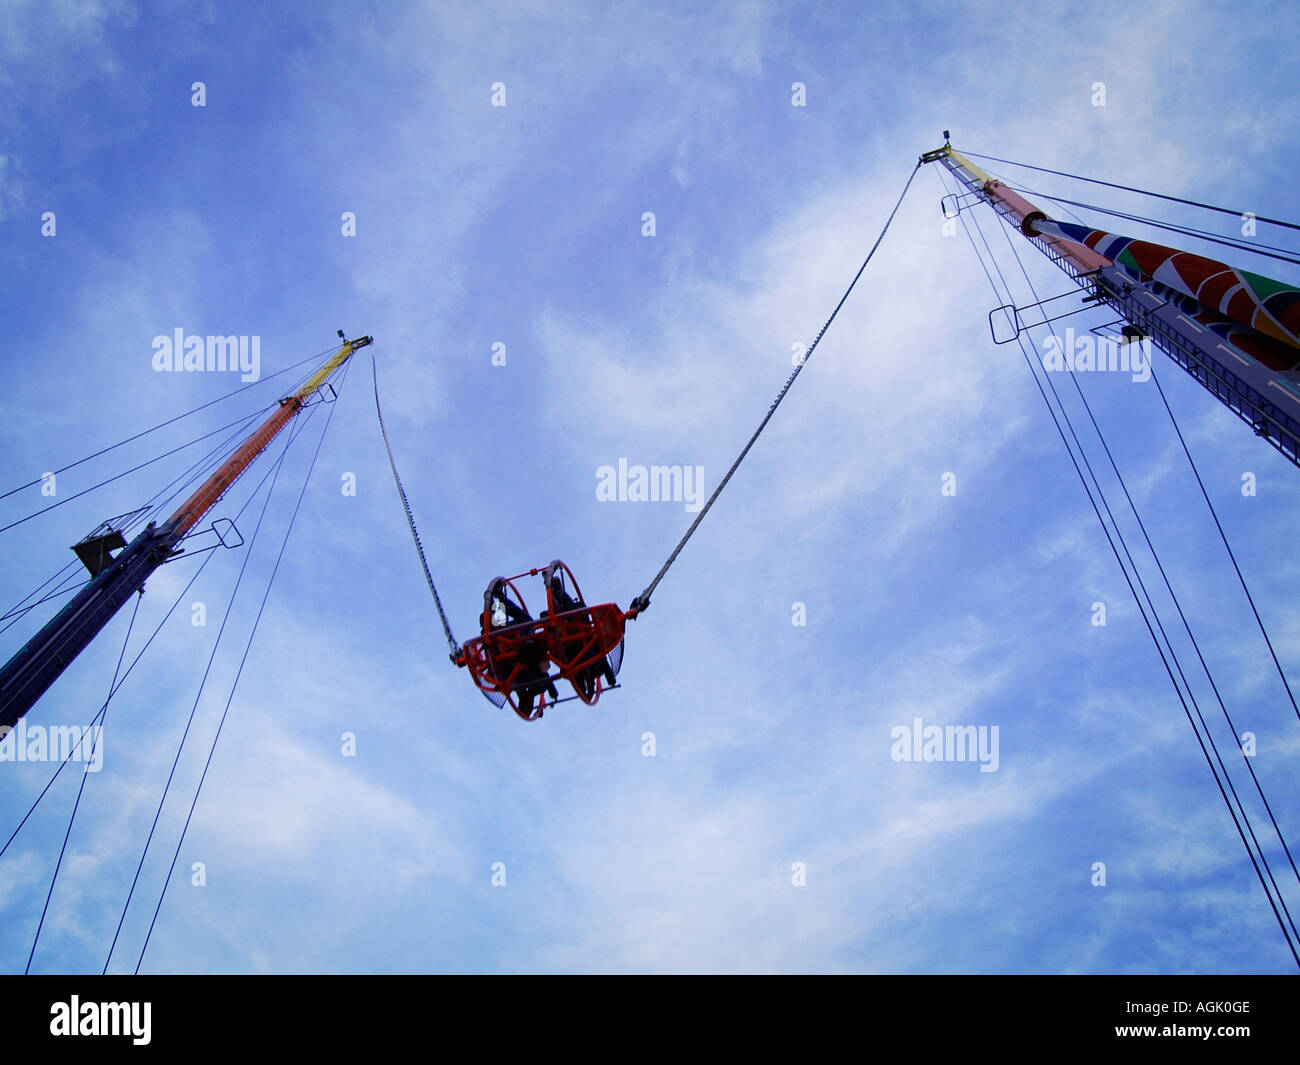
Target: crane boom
[1236,332]
[40,662]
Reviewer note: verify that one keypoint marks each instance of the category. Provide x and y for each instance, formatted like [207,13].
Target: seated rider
[531,678]
[500,607]
[586,678]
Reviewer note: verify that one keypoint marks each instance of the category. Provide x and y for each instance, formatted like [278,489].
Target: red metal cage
[519,663]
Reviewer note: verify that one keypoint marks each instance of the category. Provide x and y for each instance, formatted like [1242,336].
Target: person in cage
[586,678]
[531,679]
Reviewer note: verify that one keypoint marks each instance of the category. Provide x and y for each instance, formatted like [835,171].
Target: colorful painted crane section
[1269,307]
[1236,332]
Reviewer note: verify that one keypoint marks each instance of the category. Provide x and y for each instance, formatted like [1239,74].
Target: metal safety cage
[519,664]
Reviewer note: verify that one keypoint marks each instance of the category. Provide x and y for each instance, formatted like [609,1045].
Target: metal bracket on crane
[1120,330]
[324,394]
[96,549]
[1012,314]
[962,202]
[224,529]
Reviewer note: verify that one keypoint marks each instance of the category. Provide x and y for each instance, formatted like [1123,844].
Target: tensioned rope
[642,601]
[151,509]
[154,506]
[452,645]
[63,578]
[85,773]
[1130,188]
[1243,246]
[133,469]
[1231,554]
[293,435]
[134,662]
[1129,579]
[170,421]
[239,672]
[1015,252]
[1268,250]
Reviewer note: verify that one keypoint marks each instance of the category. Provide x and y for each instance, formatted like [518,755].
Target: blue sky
[521,225]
